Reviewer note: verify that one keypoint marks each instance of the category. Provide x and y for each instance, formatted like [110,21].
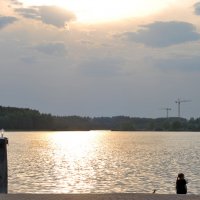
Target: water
[102,161]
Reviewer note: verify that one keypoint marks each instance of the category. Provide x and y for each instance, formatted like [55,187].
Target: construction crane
[179,101]
[167,111]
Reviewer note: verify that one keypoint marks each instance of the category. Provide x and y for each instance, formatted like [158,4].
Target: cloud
[182,64]
[15,2]
[197,8]
[103,67]
[29,60]
[163,34]
[6,20]
[52,15]
[53,48]
[31,13]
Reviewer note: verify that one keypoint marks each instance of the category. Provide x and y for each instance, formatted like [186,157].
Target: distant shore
[12,118]
[113,196]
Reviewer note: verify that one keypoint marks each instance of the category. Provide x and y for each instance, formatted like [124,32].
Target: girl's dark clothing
[181,187]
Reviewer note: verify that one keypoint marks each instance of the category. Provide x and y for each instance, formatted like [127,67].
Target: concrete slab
[114,196]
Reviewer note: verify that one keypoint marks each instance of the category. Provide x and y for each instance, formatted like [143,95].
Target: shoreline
[102,196]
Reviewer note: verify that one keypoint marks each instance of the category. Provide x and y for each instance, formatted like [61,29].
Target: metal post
[179,109]
[3,165]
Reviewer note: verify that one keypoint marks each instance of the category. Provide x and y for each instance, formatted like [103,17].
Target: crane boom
[179,101]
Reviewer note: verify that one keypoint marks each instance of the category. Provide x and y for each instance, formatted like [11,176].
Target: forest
[25,119]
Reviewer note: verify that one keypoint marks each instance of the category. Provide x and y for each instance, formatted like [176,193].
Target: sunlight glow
[105,10]
[75,143]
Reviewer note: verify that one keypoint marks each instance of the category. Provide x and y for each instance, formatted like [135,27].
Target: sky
[101,58]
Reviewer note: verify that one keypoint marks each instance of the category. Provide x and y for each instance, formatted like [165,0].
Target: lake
[102,161]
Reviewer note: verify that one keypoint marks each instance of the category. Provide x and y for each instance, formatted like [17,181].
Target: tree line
[12,118]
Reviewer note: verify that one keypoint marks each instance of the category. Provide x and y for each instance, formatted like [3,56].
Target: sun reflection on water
[101,161]
[75,152]
[74,143]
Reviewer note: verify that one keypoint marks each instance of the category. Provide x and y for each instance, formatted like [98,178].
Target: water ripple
[99,162]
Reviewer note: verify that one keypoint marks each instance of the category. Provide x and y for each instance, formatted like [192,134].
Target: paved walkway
[114,196]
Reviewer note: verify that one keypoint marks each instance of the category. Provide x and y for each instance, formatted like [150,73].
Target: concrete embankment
[114,196]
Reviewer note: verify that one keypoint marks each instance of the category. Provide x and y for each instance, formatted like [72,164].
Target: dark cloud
[52,15]
[86,42]
[56,48]
[31,13]
[29,60]
[103,67]
[183,64]
[197,8]
[55,16]
[163,34]
[15,2]
[6,20]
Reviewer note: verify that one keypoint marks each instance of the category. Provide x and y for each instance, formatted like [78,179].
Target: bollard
[3,165]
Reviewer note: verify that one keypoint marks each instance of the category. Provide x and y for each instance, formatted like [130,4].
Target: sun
[105,10]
